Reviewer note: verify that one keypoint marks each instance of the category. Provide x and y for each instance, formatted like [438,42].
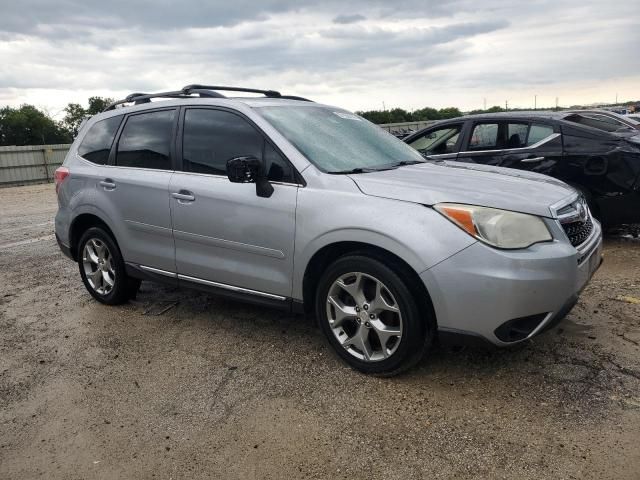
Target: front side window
[484,137]
[337,141]
[213,137]
[538,132]
[145,141]
[439,141]
[96,144]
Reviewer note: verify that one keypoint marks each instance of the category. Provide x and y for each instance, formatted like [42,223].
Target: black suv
[599,157]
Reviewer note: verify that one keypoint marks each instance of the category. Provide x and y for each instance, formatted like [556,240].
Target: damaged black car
[599,157]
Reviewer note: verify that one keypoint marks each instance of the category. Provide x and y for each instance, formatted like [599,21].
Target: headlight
[499,228]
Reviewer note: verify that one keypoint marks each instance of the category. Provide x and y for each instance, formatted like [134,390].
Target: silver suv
[286,202]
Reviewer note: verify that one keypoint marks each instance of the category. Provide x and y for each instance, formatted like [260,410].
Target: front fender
[417,234]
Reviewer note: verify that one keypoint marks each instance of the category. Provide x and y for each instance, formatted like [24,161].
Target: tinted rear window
[97,142]
[146,141]
[605,125]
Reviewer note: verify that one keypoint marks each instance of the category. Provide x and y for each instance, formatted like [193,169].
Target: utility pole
[485,103]
[384,106]
[616,98]
[556,103]
[506,104]
[535,102]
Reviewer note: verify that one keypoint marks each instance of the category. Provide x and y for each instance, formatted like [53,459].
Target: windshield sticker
[348,116]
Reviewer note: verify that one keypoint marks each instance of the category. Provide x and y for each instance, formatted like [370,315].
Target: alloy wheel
[364,316]
[98,267]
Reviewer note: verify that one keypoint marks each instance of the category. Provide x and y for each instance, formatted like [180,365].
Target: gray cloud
[428,52]
[346,19]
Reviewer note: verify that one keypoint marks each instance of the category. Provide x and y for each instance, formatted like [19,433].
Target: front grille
[578,232]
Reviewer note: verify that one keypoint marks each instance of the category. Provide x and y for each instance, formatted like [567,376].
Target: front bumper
[480,289]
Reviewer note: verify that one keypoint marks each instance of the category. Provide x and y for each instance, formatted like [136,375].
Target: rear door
[225,235]
[442,142]
[133,189]
[534,146]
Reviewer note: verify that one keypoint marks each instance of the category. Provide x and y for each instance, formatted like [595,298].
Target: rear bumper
[64,248]
[506,296]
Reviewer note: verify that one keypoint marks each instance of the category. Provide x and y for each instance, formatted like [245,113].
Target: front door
[225,235]
[439,142]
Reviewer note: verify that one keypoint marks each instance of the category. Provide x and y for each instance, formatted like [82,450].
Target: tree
[449,112]
[76,113]
[27,125]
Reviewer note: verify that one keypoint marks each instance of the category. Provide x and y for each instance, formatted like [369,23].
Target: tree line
[28,125]
[398,115]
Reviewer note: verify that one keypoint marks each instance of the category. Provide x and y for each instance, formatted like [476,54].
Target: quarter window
[538,132]
[484,137]
[213,137]
[146,141]
[97,142]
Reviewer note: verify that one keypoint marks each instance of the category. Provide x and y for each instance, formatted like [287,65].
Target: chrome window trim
[215,175]
[134,168]
[89,162]
[553,136]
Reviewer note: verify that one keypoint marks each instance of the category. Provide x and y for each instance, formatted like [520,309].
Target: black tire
[417,324]
[124,287]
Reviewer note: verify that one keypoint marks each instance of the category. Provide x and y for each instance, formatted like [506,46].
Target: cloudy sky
[357,53]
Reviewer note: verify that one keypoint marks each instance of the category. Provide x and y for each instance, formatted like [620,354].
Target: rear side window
[484,137]
[538,132]
[145,141]
[213,137]
[517,135]
[96,144]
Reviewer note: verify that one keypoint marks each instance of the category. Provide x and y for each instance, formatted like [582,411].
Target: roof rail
[138,98]
[267,93]
[203,91]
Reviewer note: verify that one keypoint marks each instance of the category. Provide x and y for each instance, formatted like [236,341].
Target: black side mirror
[249,170]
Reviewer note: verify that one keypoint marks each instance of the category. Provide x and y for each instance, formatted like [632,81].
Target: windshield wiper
[360,170]
[404,163]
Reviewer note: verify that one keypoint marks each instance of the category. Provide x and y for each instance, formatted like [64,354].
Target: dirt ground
[181,385]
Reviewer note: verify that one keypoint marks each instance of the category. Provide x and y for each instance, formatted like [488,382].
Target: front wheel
[370,316]
[102,268]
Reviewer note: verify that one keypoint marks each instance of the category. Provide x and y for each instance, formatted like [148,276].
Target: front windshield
[338,141]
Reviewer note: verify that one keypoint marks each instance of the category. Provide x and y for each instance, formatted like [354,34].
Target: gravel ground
[178,384]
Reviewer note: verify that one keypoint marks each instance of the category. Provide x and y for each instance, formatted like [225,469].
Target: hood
[456,182]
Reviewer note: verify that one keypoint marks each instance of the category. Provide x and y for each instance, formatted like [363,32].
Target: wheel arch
[333,251]
[81,224]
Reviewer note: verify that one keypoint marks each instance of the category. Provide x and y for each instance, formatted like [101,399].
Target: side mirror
[249,170]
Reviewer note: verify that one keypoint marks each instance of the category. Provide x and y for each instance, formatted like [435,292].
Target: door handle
[532,159]
[108,184]
[184,196]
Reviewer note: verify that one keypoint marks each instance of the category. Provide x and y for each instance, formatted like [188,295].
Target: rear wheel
[102,268]
[370,316]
